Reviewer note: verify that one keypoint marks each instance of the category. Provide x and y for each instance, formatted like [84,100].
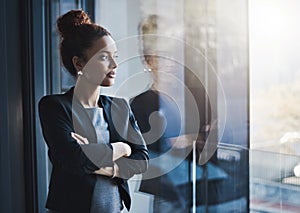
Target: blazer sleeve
[64,151]
[137,162]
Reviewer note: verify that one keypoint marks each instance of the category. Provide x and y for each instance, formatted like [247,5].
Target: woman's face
[100,68]
[161,53]
[160,61]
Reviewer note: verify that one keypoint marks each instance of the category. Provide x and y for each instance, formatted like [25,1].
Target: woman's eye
[103,57]
[106,57]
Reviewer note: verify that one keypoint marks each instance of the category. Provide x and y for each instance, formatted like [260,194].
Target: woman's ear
[151,62]
[77,63]
[148,61]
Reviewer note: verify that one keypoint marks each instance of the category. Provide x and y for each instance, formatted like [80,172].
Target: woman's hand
[120,149]
[80,140]
[108,171]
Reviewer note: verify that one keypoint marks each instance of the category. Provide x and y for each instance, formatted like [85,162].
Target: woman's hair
[157,28]
[148,25]
[147,29]
[77,34]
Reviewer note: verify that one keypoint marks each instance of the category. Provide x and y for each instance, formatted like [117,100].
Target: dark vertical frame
[28,102]
[12,112]
[26,76]
[36,86]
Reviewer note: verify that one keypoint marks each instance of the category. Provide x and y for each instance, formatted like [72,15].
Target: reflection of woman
[93,140]
[158,117]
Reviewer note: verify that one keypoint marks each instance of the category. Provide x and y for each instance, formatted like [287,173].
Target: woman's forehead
[103,44]
[106,43]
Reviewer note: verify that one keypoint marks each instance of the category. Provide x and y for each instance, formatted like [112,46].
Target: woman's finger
[78,141]
[81,140]
[106,171]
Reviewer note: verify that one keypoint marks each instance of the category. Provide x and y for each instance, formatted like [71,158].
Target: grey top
[97,117]
[106,196]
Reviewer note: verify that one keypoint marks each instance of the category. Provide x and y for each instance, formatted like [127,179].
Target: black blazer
[72,182]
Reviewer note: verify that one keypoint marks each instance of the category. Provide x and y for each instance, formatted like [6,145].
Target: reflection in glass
[221,35]
[208,62]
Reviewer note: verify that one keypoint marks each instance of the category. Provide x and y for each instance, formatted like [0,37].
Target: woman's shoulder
[145,96]
[55,101]
[58,98]
[53,98]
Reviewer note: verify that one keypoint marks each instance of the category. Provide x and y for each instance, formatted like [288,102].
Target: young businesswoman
[94,142]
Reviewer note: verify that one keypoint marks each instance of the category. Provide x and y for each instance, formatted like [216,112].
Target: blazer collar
[80,110]
[103,100]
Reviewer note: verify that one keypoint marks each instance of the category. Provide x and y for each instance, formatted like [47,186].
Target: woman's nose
[113,64]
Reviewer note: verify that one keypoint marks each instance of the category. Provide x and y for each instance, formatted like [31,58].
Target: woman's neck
[87,94]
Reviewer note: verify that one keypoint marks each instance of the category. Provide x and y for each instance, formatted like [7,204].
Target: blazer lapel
[106,104]
[81,121]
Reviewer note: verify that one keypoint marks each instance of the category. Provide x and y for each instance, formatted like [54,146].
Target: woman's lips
[111,74]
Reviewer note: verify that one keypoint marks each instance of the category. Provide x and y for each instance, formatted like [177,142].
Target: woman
[94,142]
[157,49]
[160,121]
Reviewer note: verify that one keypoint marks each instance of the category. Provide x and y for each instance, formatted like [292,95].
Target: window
[237,62]
[274,97]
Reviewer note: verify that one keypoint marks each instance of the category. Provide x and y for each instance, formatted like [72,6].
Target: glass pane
[274,96]
[219,30]
[151,75]
[206,45]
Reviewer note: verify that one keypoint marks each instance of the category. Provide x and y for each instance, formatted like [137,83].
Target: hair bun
[67,23]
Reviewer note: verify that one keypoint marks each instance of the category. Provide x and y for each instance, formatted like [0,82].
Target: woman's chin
[108,84]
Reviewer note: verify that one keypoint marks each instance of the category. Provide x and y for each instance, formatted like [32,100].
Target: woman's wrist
[115,170]
[127,150]
[120,149]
